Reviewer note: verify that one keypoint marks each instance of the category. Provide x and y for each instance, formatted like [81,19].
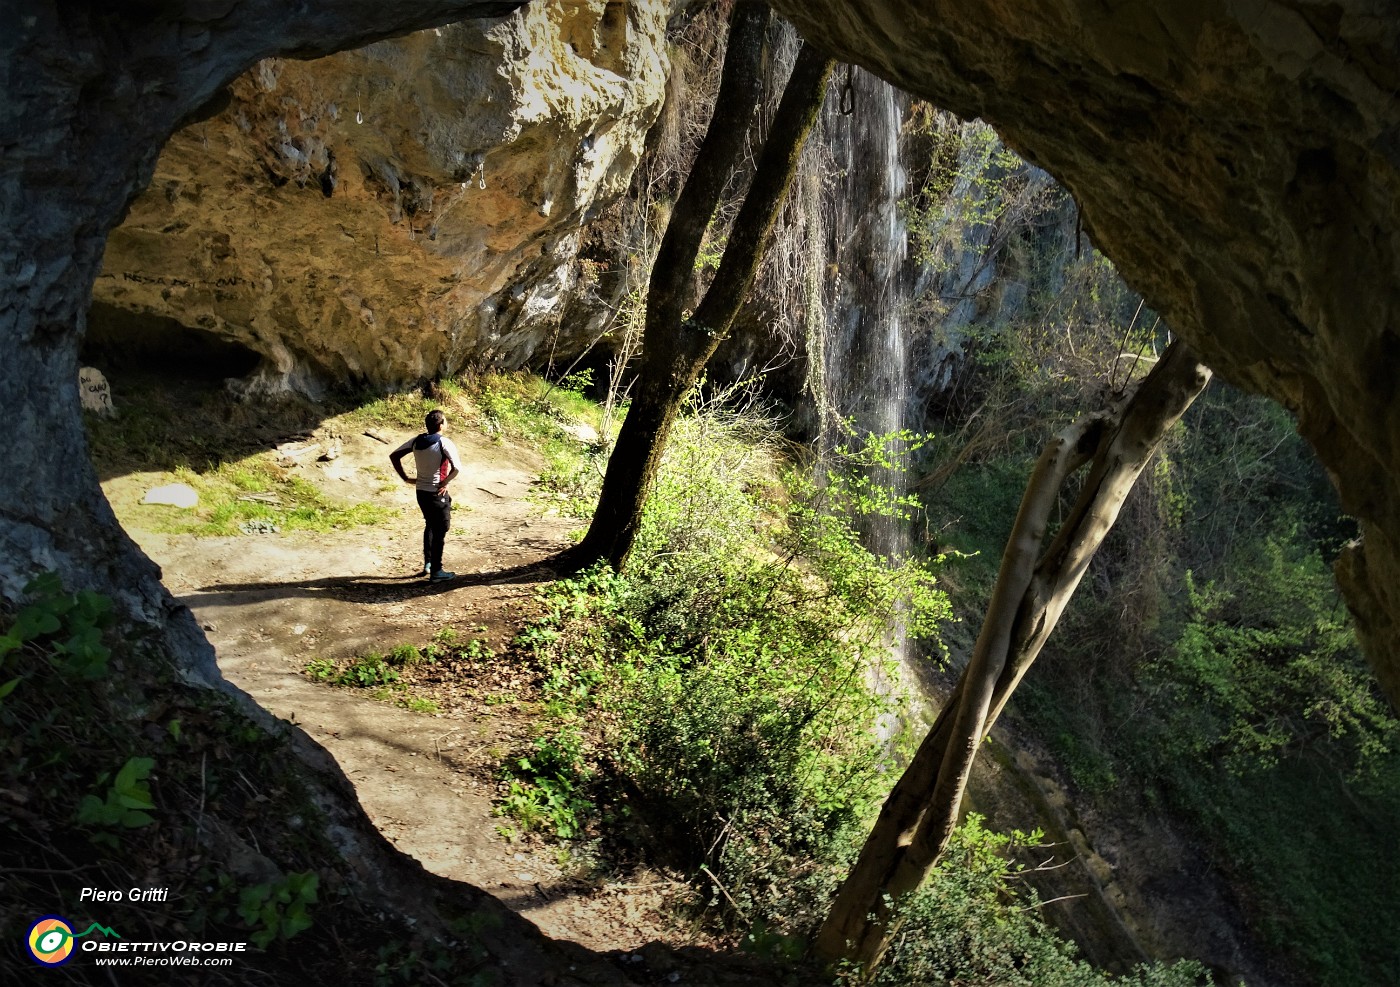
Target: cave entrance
[121,340]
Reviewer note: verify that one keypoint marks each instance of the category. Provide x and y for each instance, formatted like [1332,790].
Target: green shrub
[729,672]
[1265,665]
[973,924]
[546,785]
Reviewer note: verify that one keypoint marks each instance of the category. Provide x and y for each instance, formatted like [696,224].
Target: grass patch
[393,675]
[546,417]
[222,447]
[257,495]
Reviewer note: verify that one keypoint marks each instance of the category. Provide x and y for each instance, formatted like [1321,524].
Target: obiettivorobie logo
[52,942]
[50,939]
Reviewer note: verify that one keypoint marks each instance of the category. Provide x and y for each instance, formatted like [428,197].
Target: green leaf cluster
[279,910]
[546,785]
[68,626]
[126,804]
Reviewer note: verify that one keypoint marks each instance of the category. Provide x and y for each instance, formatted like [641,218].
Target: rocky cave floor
[272,601]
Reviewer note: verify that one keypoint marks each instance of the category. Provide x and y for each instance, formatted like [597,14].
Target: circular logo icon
[51,941]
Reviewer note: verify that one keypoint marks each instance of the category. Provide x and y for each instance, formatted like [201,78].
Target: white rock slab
[173,494]
[581,431]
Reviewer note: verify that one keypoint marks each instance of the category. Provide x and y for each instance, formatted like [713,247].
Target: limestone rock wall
[393,213]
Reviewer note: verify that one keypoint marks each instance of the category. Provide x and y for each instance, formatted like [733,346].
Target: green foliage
[546,785]
[1248,681]
[974,190]
[1231,701]
[826,514]
[366,672]
[712,247]
[973,923]
[322,669]
[728,673]
[531,410]
[385,673]
[1226,689]
[280,910]
[528,410]
[980,505]
[68,626]
[126,803]
[1302,840]
[56,643]
[1267,730]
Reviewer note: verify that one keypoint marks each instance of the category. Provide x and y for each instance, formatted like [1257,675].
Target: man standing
[437,463]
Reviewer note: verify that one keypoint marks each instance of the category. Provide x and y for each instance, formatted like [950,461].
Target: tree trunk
[675,349]
[921,812]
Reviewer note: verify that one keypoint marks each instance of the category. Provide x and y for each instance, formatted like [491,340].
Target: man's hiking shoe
[442,575]
[427,569]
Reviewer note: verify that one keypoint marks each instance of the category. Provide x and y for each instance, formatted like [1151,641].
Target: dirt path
[271,602]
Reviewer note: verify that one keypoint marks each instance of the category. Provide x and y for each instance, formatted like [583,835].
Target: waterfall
[887,328]
[858,350]
[862,342]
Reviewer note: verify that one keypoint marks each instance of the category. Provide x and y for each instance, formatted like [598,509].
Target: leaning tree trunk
[674,348]
[1031,592]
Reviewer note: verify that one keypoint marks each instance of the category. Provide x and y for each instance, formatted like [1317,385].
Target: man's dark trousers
[437,518]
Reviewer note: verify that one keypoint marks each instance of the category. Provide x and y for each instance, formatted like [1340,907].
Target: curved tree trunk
[1031,592]
[675,349]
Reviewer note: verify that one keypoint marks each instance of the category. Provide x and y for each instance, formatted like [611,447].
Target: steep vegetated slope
[1206,697]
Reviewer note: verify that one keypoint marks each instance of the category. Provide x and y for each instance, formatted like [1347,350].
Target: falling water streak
[866,353]
[869,279]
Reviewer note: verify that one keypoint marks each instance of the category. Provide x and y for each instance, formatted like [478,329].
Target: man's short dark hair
[434,421]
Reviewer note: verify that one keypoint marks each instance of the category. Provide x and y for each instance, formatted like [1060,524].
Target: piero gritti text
[130,894]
